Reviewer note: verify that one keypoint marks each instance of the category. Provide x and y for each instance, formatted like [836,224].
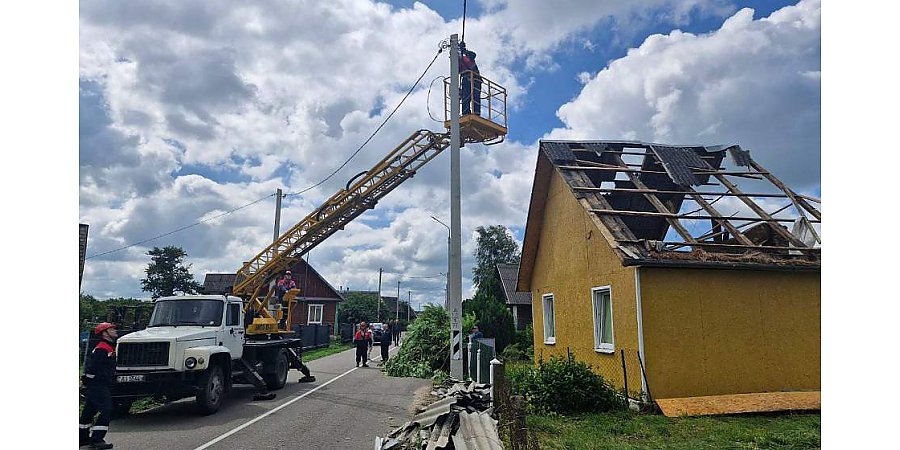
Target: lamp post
[447,288]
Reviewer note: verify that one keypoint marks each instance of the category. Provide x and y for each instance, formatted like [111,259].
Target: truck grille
[143,354]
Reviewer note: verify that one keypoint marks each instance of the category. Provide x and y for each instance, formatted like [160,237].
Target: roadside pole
[455,278]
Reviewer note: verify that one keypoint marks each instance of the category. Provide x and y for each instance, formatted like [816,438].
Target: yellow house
[665,270]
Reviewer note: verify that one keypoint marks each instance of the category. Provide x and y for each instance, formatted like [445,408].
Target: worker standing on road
[361,340]
[395,332]
[385,342]
[99,375]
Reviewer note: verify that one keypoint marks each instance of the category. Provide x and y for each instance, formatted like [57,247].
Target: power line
[200,222]
[440,49]
[463,38]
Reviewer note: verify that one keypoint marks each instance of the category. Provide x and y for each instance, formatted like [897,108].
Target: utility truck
[202,345]
[197,346]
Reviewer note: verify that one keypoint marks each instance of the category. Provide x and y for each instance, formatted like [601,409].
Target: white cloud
[201,107]
[752,82]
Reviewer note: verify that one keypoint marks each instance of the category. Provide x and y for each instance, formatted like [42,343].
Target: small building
[316,304]
[634,248]
[519,303]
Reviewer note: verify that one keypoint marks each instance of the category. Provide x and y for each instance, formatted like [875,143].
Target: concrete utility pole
[398,299]
[378,301]
[277,214]
[446,275]
[408,304]
[455,278]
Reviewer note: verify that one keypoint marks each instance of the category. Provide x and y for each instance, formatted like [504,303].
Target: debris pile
[460,420]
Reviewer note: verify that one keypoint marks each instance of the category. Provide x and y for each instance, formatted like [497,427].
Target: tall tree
[167,274]
[358,306]
[494,245]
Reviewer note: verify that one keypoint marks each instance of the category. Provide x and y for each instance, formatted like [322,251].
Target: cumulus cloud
[753,82]
[191,109]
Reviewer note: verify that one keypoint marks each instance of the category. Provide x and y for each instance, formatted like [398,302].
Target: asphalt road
[346,407]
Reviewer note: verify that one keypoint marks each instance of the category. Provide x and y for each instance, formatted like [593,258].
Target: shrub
[426,346]
[563,385]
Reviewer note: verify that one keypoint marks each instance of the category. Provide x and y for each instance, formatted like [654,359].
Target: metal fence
[346,332]
[314,335]
[477,356]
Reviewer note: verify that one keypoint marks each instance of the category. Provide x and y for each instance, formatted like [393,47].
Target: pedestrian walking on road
[361,340]
[371,342]
[395,332]
[385,342]
[99,375]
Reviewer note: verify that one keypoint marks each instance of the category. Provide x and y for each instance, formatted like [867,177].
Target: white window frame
[603,347]
[552,298]
[309,314]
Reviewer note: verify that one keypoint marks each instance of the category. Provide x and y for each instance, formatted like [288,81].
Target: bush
[563,385]
[426,346]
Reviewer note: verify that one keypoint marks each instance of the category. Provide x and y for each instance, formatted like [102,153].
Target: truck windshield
[187,312]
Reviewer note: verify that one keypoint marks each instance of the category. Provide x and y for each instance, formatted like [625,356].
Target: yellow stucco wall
[572,258]
[710,332]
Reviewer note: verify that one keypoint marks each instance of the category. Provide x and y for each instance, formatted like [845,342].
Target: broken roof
[657,205]
[509,277]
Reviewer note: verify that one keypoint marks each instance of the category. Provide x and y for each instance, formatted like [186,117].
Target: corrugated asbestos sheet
[559,152]
[678,162]
[461,420]
[740,156]
[477,431]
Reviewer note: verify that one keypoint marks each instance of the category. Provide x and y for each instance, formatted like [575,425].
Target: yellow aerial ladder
[254,278]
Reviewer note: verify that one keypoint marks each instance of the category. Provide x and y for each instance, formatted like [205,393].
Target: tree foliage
[426,346]
[358,306]
[494,245]
[167,274]
[493,318]
[92,311]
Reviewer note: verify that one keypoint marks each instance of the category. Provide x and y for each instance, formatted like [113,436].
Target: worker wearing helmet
[285,284]
[99,375]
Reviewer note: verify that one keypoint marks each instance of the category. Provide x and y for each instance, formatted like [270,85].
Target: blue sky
[189,110]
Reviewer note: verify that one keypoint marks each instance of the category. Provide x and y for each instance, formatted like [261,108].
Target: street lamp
[447,289]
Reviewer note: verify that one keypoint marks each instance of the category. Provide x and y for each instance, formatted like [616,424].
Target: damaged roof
[665,205]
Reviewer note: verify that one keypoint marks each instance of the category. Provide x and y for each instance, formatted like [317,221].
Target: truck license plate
[129,378]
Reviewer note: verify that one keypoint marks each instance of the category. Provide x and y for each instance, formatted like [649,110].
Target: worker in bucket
[285,284]
[469,81]
[99,375]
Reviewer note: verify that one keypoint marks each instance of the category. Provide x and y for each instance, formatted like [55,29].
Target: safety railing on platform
[482,108]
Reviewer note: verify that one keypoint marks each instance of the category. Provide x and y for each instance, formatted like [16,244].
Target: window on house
[603,320]
[549,320]
[315,314]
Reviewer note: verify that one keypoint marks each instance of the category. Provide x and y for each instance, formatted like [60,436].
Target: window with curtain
[603,320]
[549,320]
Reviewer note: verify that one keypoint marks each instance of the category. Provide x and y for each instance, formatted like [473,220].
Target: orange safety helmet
[103,327]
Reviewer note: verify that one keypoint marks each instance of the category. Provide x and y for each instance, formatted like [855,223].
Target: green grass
[628,430]
[335,347]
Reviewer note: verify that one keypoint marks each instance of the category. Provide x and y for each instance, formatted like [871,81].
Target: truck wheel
[211,390]
[278,378]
